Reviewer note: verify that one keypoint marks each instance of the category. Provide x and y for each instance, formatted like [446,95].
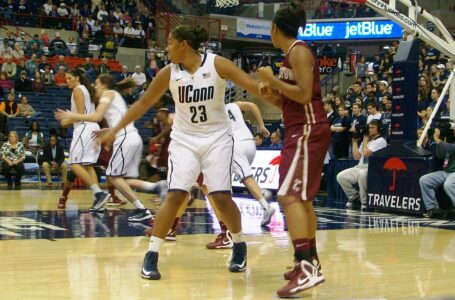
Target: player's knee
[285,202]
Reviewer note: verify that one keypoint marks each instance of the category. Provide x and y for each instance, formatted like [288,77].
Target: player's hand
[267,92]
[264,131]
[105,136]
[60,114]
[265,74]
[154,140]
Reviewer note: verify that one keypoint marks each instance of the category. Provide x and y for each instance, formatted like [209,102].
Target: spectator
[349,178]
[44,37]
[373,113]
[259,140]
[6,50]
[104,68]
[62,10]
[47,7]
[6,84]
[61,63]
[43,63]
[35,40]
[31,65]
[340,134]
[431,182]
[356,93]
[138,76]
[328,107]
[125,73]
[361,69]
[34,138]
[23,84]
[275,140]
[35,50]
[438,80]
[102,13]
[83,45]
[10,39]
[54,159]
[38,85]
[60,78]
[386,116]
[9,68]
[18,53]
[58,46]
[72,46]
[47,77]
[25,109]
[13,158]
[9,109]
[22,40]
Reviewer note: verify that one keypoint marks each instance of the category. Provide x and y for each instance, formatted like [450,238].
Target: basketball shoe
[171,236]
[296,268]
[115,201]
[238,261]
[268,213]
[140,215]
[150,266]
[99,201]
[62,202]
[306,278]
[222,241]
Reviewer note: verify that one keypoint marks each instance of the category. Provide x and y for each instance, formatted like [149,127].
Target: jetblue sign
[353,30]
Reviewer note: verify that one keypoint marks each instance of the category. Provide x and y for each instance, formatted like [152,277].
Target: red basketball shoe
[307,277]
[222,241]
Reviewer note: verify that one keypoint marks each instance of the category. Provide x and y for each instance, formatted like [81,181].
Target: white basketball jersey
[238,126]
[199,98]
[116,111]
[89,106]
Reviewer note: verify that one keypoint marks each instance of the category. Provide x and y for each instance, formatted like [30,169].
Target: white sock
[264,203]
[138,204]
[95,189]
[155,244]
[237,237]
[147,186]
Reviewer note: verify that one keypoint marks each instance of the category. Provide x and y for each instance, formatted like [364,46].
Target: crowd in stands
[108,23]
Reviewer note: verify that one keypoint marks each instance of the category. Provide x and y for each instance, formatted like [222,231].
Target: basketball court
[73,254]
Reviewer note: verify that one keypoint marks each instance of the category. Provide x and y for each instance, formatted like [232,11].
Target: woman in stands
[307,138]
[124,163]
[13,158]
[84,149]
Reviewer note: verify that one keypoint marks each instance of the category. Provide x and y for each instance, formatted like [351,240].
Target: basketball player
[201,138]
[244,152]
[306,141]
[127,150]
[84,149]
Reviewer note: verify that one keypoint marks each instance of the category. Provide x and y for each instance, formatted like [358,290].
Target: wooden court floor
[71,254]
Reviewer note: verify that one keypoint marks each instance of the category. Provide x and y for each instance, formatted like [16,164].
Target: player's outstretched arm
[253,108]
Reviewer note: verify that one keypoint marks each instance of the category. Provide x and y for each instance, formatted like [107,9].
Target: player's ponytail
[80,73]
[194,36]
[125,84]
[109,82]
[290,18]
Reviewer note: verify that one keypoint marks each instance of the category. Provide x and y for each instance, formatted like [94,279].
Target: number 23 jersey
[199,98]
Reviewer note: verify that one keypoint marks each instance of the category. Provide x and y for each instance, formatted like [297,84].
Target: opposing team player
[124,163]
[306,141]
[201,136]
[84,149]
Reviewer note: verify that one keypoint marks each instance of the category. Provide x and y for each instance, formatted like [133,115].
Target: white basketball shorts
[84,149]
[126,156]
[244,152]
[190,155]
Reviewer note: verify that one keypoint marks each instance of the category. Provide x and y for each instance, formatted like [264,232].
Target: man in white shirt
[138,76]
[349,178]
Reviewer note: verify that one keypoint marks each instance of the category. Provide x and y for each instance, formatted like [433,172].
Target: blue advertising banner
[326,31]
[393,182]
[352,30]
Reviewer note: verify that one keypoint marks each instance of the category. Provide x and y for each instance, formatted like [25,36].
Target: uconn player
[201,138]
[306,141]
[84,149]
[127,148]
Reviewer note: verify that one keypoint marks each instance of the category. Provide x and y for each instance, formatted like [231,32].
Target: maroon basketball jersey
[159,127]
[296,113]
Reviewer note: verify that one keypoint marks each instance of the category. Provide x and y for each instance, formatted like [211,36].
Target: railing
[330,81]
